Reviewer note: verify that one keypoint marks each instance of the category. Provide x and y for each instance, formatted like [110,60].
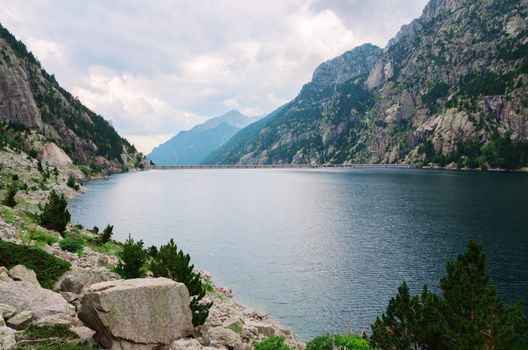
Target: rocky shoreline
[230,325]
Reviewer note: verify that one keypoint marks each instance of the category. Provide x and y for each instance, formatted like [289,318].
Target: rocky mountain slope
[34,110]
[450,88]
[192,146]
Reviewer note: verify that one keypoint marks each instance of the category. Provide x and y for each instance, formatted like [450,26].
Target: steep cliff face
[449,87]
[32,101]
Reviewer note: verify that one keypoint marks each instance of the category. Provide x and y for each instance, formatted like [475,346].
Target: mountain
[35,109]
[192,146]
[450,88]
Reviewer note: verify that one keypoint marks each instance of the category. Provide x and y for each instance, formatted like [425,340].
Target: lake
[320,249]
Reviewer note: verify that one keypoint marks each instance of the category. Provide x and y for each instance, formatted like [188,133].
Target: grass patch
[272,343]
[47,267]
[71,245]
[209,290]
[41,236]
[109,248]
[49,337]
[344,342]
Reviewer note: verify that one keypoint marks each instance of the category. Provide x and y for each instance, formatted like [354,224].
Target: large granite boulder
[51,155]
[138,314]
[22,273]
[41,302]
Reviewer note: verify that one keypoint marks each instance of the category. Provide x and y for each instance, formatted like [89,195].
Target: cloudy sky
[157,67]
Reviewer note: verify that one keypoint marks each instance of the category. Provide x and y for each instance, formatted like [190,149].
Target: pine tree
[174,264]
[107,234]
[55,215]
[9,198]
[132,259]
[468,316]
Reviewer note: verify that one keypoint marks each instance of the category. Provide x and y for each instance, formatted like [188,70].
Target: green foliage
[72,182]
[344,342]
[483,84]
[438,91]
[503,152]
[49,337]
[107,234]
[174,264]
[71,245]
[42,237]
[132,259]
[47,267]
[55,215]
[272,343]
[9,199]
[468,315]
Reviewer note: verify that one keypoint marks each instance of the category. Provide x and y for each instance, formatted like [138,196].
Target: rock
[84,333]
[225,336]
[20,320]
[7,338]
[71,283]
[7,311]
[69,297]
[67,320]
[22,273]
[262,328]
[4,277]
[3,269]
[188,344]
[143,313]
[2,321]
[236,324]
[42,302]
[51,155]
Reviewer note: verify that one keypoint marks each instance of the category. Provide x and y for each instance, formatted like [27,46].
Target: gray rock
[72,283]
[7,311]
[42,302]
[69,296]
[4,277]
[51,155]
[226,337]
[139,314]
[22,273]
[7,338]
[20,320]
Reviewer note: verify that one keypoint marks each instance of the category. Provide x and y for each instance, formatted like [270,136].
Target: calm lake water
[319,248]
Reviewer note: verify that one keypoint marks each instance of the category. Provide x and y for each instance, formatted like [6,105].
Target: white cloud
[157,68]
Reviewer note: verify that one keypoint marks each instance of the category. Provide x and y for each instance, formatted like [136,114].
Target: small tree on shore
[174,264]
[468,315]
[132,259]
[9,199]
[107,234]
[55,214]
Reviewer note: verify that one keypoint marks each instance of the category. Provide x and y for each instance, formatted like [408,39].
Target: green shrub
[49,337]
[132,259]
[107,234]
[47,267]
[272,343]
[468,315]
[343,342]
[72,182]
[43,237]
[174,264]
[9,199]
[71,245]
[55,215]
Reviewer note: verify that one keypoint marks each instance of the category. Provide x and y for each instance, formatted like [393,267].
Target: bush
[72,182]
[9,199]
[43,237]
[49,337]
[71,245]
[468,315]
[344,342]
[132,259]
[107,234]
[55,215]
[272,343]
[47,267]
[174,264]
